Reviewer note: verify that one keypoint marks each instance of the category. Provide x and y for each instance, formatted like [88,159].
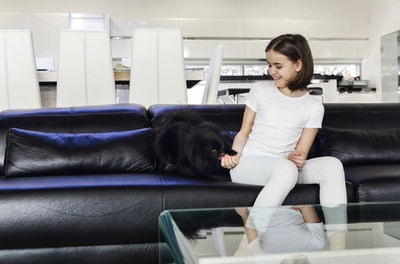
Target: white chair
[210,94]
[19,87]
[85,71]
[157,72]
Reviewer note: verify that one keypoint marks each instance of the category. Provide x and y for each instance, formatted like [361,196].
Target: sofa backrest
[94,119]
[367,122]
[362,116]
[361,133]
[227,117]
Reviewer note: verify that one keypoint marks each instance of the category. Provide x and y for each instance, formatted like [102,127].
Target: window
[343,69]
[255,70]
[260,69]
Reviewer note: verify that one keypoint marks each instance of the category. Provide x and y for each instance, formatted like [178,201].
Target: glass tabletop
[364,232]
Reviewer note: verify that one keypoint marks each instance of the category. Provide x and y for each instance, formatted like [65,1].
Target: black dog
[191,146]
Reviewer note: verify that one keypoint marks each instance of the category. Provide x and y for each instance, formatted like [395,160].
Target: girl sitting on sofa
[279,125]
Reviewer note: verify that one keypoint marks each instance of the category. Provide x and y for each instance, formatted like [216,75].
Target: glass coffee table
[352,233]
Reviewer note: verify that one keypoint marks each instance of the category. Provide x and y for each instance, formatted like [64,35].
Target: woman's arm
[244,132]
[240,139]
[306,140]
[299,156]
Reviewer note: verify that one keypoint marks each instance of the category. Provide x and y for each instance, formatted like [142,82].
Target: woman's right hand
[228,162]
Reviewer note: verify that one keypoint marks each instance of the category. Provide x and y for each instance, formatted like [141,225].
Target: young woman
[279,125]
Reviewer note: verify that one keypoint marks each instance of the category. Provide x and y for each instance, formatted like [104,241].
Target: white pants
[280,175]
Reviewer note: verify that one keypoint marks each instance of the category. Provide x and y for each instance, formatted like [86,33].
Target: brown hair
[295,47]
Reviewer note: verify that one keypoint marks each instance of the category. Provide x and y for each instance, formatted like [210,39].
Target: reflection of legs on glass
[336,225]
[218,237]
[243,249]
[329,174]
[251,235]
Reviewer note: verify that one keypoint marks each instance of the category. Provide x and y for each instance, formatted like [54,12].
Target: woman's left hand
[229,162]
[297,158]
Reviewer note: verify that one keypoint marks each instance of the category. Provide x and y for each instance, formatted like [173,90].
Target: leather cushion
[359,174]
[356,146]
[82,119]
[31,153]
[379,191]
[102,254]
[183,193]
[86,216]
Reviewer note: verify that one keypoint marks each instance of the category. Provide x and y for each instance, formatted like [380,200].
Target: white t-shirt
[279,120]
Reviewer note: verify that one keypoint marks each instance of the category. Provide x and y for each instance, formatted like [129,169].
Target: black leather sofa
[79,184]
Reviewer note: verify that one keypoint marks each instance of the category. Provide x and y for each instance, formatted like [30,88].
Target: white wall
[239,21]
[247,38]
[226,9]
[243,22]
[384,18]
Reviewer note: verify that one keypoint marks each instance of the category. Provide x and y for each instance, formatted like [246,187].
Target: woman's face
[281,68]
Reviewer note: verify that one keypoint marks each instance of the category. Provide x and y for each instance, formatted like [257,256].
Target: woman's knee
[332,164]
[288,172]
[332,169]
[334,161]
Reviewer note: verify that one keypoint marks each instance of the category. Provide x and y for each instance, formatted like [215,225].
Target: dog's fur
[189,145]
